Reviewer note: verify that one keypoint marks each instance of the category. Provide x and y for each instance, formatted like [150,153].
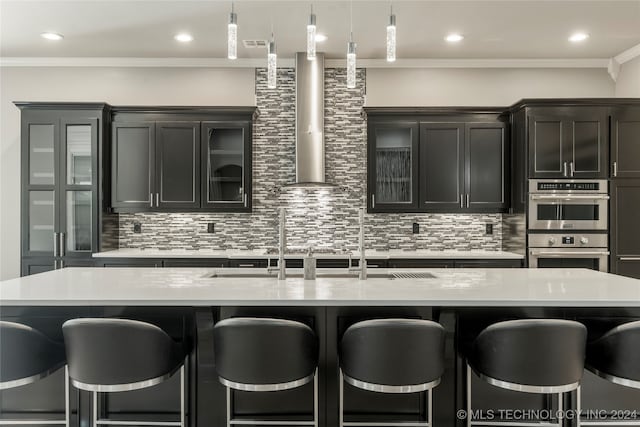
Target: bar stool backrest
[118,351]
[26,355]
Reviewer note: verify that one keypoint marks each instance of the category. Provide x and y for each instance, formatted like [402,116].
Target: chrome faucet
[282,246]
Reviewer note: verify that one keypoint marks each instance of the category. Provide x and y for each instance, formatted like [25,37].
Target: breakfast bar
[188,302]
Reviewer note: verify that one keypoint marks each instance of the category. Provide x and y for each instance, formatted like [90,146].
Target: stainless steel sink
[324,274]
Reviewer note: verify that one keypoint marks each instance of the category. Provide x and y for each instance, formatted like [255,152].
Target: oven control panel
[567,186]
[568,240]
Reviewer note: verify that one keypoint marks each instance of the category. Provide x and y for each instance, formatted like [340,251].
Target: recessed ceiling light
[321,37]
[52,36]
[183,37]
[454,38]
[578,37]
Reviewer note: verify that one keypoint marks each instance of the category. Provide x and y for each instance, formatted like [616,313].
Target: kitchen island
[186,302]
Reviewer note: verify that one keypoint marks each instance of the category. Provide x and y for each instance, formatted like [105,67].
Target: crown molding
[289,62]
[628,55]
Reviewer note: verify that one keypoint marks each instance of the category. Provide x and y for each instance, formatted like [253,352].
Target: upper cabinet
[181,161]
[568,142]
[61,183]
[437,163]
[393,166]
[625,142]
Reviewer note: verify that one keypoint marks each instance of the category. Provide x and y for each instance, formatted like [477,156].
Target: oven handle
[565,253]
[569,197]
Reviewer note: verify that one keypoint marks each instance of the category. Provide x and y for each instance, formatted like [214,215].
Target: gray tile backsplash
[326,219]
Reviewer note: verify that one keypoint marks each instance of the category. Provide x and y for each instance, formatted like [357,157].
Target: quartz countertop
[193,287]
[262,254]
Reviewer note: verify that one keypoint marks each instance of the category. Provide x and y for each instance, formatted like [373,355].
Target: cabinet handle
[468,200]
[55,244]
[62,249]
[245,200]
[246,265]
[373,200]
[629,258]
[615,168]
[462,200]
[157,199]
[564,165]
[572,168]
[151,200]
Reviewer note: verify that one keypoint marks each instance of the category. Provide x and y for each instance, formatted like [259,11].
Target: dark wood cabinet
[442,167]
[133,165]
[393,166]
[625,142]
[452,161]
[624,230]
[568,142]
[169,160]
[177,179]
[61,183]
[226,151]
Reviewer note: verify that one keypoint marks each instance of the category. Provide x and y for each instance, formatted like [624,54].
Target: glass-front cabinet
[226,163]
[59,183]
[393,166]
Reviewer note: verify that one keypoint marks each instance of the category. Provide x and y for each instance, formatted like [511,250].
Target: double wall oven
[568,224]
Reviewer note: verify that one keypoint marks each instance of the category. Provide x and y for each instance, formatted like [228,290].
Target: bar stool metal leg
[98,420]
[67,411]
[314,422]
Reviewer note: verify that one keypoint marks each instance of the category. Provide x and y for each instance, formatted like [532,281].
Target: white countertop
[191,287]
[261,254]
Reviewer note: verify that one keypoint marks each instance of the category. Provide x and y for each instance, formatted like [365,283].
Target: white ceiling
[493,29]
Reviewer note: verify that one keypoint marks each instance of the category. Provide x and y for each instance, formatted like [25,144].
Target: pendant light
[232,35]
[351,54]
[272,64]
[391,37]
[311,36]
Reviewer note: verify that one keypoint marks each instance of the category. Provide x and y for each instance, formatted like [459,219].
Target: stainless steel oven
[555,250]
[568,204]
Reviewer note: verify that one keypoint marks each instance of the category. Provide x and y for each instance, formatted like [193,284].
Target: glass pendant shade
[351,65]
[391,39]
[232,36]
[272,66]
[311,37]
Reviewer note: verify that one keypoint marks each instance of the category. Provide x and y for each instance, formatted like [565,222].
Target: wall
[481,86]
[628,83]
[118,86]
[326,219]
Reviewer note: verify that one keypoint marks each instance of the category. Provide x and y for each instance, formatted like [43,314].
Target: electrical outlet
[211,227]
[137,227]
[488,229]
[416,228]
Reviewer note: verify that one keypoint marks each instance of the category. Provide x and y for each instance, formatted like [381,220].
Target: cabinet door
[486,167]
[226,163]
[133,166]
[625,233]
[78,188]
[625,142]
[38,265]
[40,183]
[177,165]
[587,134]
[547,157]
[442,162]
[393,166]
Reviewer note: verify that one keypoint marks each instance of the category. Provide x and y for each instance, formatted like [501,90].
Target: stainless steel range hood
[310,121]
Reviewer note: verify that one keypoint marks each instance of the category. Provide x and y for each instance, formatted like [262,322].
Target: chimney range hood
[310,122]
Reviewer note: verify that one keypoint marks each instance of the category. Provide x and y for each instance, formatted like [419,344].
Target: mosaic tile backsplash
[326,219]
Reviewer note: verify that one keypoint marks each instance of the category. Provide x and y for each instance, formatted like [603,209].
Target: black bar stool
[392,356]
[543,356]
[115,355]
[263,355]
[26,356]
[614,357]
